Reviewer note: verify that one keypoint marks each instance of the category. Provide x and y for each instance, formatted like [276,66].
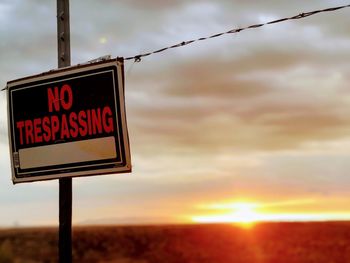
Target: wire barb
[138,57]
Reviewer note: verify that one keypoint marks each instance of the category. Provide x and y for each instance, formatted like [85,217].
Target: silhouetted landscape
[213,243]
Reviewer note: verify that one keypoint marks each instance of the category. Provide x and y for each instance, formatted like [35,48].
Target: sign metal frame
[44,167]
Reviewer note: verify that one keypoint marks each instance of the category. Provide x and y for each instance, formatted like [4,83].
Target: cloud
[268,99]
[154,4]
[251,114]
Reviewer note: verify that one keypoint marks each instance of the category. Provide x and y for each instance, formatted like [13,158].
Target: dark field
[264,243]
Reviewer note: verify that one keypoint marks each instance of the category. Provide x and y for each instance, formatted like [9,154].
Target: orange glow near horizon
[246,213]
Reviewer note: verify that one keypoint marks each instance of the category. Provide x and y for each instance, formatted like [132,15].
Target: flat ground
[264,243]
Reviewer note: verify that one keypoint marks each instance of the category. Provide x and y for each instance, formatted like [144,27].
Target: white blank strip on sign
[66,153]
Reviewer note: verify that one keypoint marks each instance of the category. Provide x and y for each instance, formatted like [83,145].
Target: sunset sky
[255,124]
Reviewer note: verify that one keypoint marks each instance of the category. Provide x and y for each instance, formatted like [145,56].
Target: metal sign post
[65,184]
[66,123]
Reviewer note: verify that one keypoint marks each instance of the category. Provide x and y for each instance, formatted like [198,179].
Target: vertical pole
[63,33]
[65,184]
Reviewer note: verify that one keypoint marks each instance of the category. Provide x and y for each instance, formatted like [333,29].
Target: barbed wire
[138,57]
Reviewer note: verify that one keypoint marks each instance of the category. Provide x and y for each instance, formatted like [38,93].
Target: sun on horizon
[242,213]
[247,214]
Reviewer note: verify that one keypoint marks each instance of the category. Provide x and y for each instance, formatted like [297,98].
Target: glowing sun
[242,213]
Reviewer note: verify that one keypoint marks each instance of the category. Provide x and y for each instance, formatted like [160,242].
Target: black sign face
[69,123]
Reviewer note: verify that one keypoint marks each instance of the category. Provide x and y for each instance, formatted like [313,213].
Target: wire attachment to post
[99,59]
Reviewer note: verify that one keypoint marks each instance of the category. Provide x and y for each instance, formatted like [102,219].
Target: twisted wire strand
[137,58]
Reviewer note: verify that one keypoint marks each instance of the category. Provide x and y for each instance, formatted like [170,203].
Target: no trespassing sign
[68,123]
